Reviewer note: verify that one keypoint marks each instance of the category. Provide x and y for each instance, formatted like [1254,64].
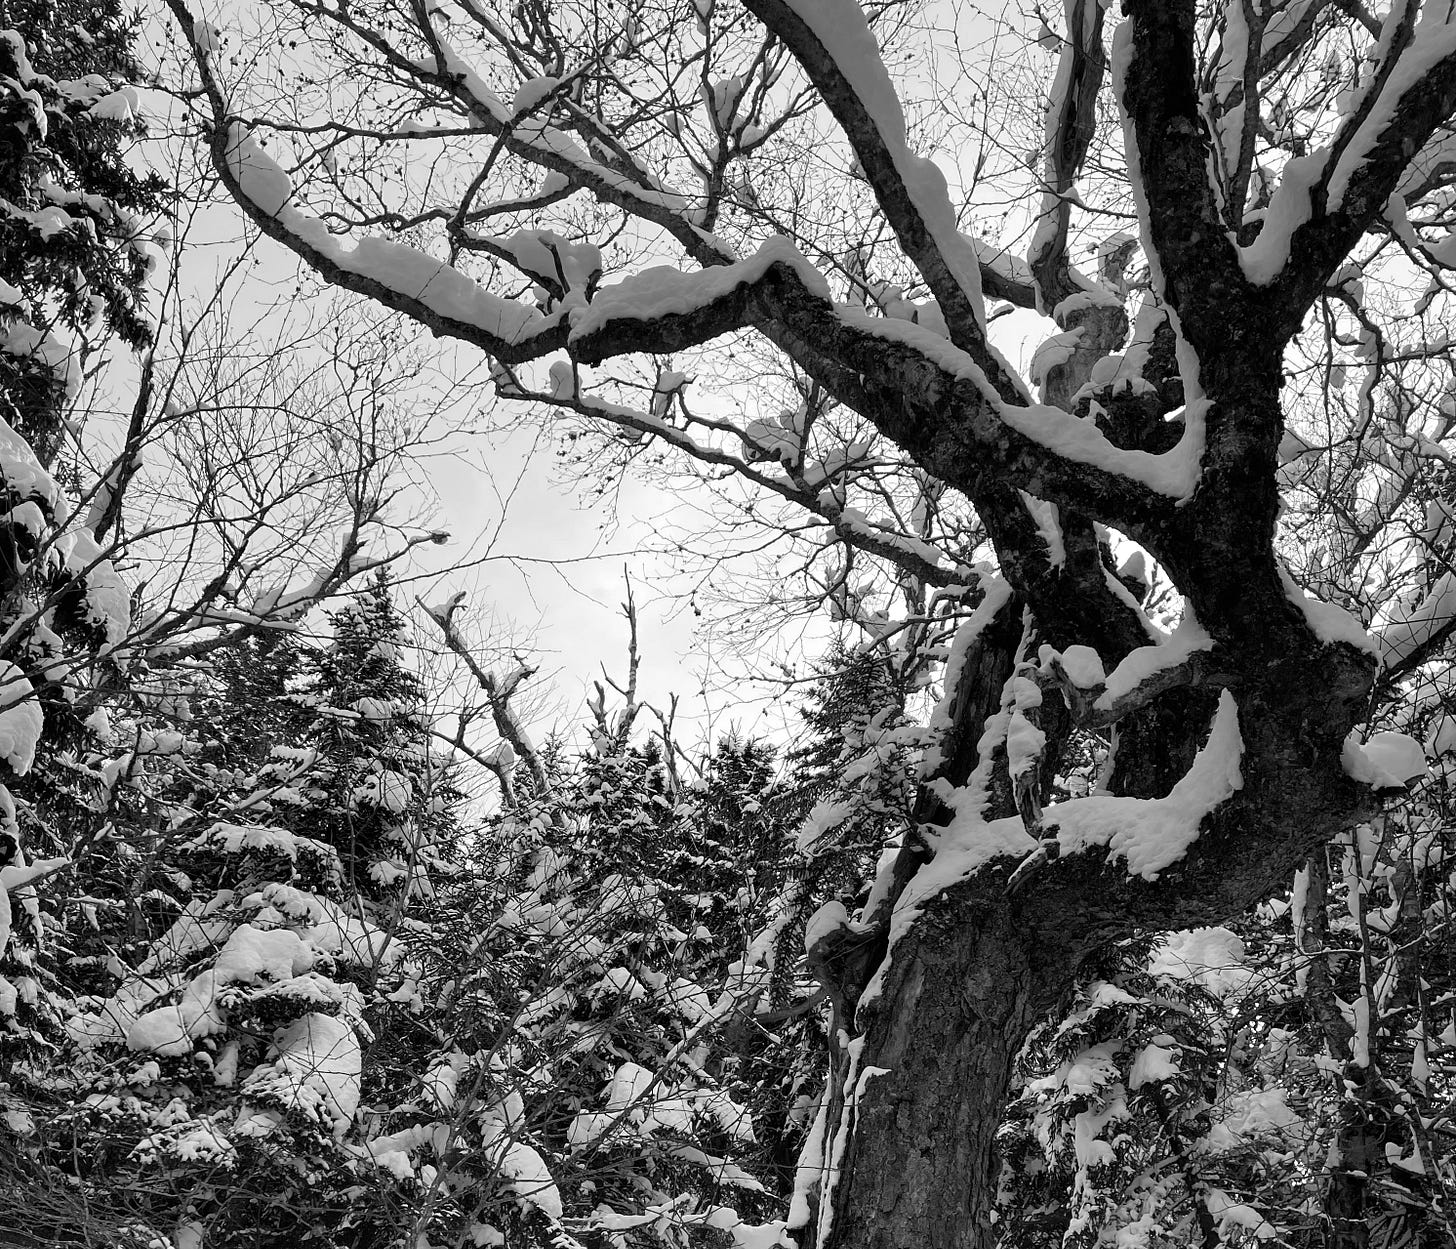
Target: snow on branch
[1329,622]
[1148,834]
[396,275]
[664,309]
[1414,633]
[21,721]
[21,878]
[521,128]
[833,42]
[1071,120]
[1415,57]
[23,477]
[1064,456]
[498,691]
[1327,199]
[1180,659]
[909,380]
[1151,834]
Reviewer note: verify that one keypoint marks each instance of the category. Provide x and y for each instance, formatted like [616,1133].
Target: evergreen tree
[74,260]
[605,981]
[220,1071]
[734,849]
[75,249]
[854,771]
[75,254]
[377,792]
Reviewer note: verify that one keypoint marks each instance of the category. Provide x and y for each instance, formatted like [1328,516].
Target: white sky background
[553,586]
[568,616]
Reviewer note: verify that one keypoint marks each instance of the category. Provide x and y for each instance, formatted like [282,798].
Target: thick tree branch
[1169,155]
[931,400]
[1366,162]
[910,190]
[1071,126]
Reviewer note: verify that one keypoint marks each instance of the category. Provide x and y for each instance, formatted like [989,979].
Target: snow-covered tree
[75,255]
[378,792]
[74,237]
[597,994]
[272,992]
[591,194]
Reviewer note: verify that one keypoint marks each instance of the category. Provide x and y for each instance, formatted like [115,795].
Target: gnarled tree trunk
[935,1066]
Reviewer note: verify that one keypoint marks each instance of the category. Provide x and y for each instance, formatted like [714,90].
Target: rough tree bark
[964,989]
